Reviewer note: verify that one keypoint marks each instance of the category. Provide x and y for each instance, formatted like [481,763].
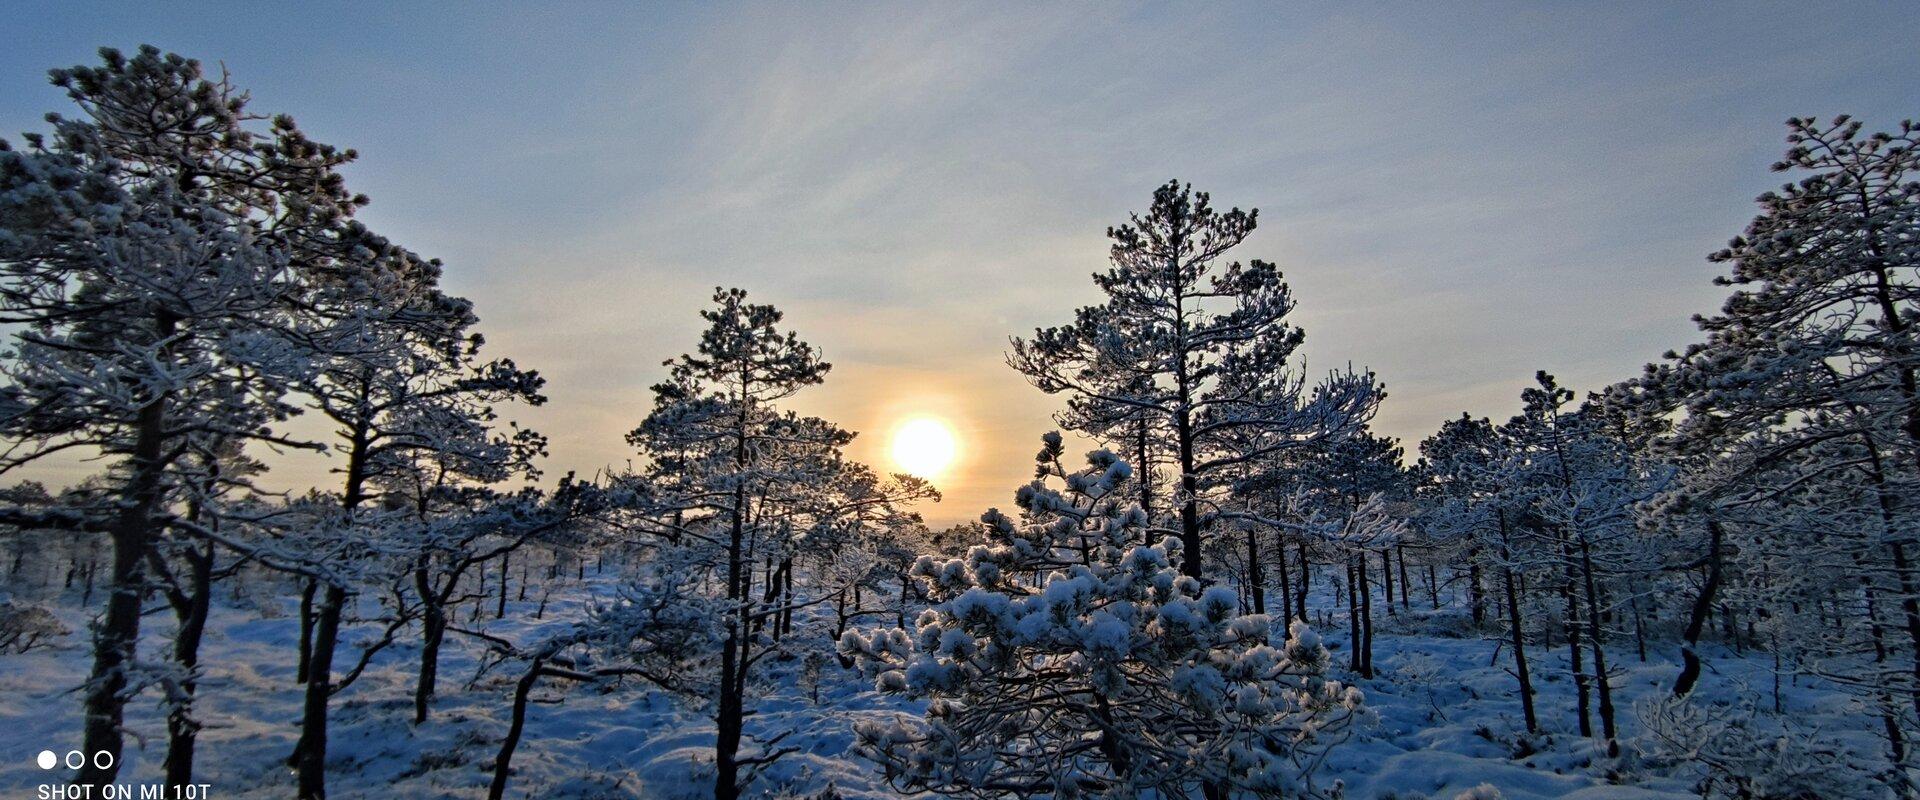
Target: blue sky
[1459,195]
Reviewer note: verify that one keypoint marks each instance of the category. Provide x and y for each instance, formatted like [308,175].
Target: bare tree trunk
[119,631]
[1639,631]
[1476,600]
[1520,672]
[1286,581]
[1514,621]
[433,630]
[730,710]
[1600,683]
[1143,472]
[306,631]
[1889,715]
[906,587]
[191,607]
[786,592]
[1191,560]
[1406,588]
[310,755]
[1256,580]
[1902,567]
[1697,619]
[1353,620]
[1366,613]
[1583,703]
[1306,568]
[500,610]
[1386,576]
[502,763]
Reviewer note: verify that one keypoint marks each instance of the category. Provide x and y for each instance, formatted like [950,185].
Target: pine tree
[1809,371]
[1194,348]
[1152,683]
[1468,505]
[731,481]
[153,251]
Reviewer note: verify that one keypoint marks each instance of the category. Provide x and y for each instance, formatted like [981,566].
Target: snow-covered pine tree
[732,482]
[413,402]
[152,248]
[1581,486]
[1199,346]
[1067,659]
[1466,505]
[217,493]
[1809,370]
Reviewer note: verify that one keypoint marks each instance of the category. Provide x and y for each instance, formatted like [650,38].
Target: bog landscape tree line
[184,276]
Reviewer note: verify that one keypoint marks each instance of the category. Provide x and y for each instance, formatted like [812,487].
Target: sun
[923,446]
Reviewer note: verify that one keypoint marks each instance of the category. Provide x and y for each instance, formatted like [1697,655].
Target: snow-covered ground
[1449,719]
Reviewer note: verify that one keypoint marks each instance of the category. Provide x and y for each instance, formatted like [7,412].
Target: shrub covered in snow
[1068,657]
[1741,753]
[25,627]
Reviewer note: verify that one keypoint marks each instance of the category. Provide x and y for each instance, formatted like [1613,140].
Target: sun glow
[924,446]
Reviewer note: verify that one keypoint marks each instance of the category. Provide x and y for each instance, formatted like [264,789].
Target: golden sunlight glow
[924,446]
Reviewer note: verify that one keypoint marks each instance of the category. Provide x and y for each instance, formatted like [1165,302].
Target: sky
[1459,194]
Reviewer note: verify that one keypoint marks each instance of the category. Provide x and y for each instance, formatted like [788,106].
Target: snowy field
[1448,718]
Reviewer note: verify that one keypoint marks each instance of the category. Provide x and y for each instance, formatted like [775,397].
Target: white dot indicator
[48,760]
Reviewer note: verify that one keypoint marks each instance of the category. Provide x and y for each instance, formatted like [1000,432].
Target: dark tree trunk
[1386,576]
[119,631]
[1697,619]
[310,754]
[1582,700]
[1256,579]
[906,589]
[1903,568]
[500,610]
[306,631]
[1306,568]
[1366,613]
[1514,621]
[1143,472]
[1639,631]
[786,593]
[1286,581]
[1520,672]
[1353,620]
[1476,599]
[1889,716]
[182,729]
[433,631]
[841,618]
[502,763]
[1406,588]
[730,710]
[1190,562]
[1910,611]
[1601,685]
